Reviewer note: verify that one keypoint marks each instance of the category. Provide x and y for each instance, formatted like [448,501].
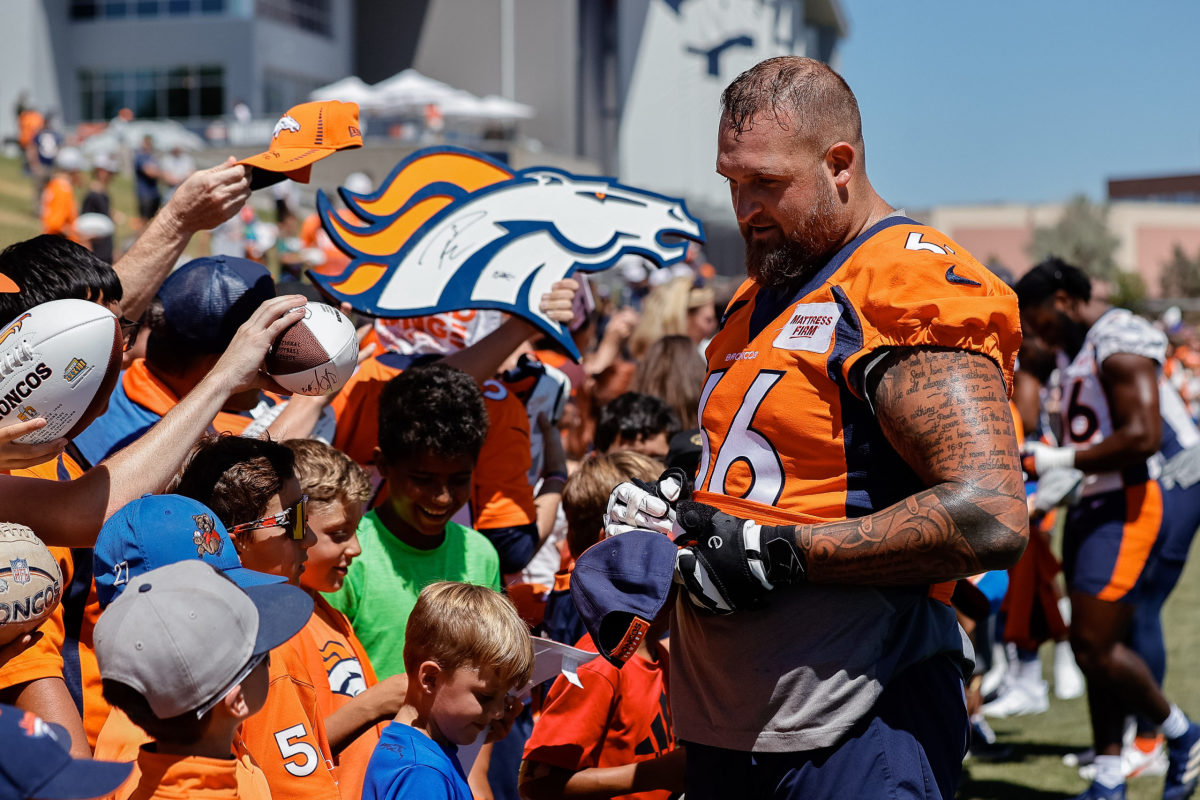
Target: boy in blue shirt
[465,651]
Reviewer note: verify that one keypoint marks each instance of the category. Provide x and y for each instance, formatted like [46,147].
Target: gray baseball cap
[183,635]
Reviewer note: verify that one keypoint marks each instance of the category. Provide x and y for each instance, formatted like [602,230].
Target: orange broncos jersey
[287,737]
[788,436]
[500,492]
[339,670]
[65,648]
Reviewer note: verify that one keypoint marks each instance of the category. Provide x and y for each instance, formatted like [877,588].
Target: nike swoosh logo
[953,277]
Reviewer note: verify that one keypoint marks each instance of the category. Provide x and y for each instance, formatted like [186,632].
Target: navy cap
[619,586]
[35,761]
[207,299]
[160,529]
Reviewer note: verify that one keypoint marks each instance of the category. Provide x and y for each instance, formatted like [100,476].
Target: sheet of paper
[552,659]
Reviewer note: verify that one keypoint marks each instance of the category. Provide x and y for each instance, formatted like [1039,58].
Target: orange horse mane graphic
[389,226]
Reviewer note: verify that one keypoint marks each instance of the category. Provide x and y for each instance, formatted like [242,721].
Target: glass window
[83,9]
[180,92]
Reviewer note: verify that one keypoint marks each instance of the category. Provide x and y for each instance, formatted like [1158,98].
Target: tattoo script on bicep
[946,413]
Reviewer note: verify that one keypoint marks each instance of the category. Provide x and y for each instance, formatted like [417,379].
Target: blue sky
[1022,100]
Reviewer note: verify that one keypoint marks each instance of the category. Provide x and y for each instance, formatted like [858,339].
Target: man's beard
[802,252]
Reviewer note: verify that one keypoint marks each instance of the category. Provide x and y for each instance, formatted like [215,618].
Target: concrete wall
[460,44]
[27,59]
[672,73]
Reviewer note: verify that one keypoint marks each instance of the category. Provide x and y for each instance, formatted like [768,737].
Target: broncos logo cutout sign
[451,229]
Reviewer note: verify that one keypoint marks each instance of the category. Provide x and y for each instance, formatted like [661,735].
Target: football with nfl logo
[60,361]
[30,581]
[317,355]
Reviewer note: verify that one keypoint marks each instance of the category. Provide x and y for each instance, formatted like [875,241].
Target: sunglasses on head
[292,519]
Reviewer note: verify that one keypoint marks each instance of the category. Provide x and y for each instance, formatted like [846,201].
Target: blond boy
[465,652]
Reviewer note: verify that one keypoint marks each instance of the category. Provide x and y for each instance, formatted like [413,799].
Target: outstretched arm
[946,414]
[70,514]
[483,359]
[203,201]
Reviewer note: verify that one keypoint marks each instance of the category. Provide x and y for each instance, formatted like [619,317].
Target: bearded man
[858,457]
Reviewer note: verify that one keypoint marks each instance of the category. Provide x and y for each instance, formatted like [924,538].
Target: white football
[317,355]
[59,360]
[30,581]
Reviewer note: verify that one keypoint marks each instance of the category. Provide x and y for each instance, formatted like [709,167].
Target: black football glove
[730,564]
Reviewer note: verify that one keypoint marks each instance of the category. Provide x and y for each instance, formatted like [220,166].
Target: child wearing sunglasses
[353,702]
[251,485]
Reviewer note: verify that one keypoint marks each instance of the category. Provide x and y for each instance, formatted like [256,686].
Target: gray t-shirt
[800,673]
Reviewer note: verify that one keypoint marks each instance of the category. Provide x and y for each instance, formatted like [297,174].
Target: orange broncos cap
[305,134]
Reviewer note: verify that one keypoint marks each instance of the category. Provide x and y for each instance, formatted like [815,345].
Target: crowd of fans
[272,596]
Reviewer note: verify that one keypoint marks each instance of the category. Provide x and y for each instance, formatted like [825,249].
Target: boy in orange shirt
[184,653]
[250,484]
[352,701]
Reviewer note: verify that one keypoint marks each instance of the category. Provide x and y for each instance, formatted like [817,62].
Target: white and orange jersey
[788,436]
[1086,414]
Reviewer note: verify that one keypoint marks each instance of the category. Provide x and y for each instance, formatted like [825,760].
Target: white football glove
[1039,458]
[645,506]
[1058,487]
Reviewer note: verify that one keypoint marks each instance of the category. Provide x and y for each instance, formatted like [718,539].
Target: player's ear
[839,160]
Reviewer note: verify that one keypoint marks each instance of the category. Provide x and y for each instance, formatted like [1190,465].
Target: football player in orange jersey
[858,452]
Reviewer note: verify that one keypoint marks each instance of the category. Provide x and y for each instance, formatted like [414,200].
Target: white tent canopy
[411,91]
[351,89]
[496,107]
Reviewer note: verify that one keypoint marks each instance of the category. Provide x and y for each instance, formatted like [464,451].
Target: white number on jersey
[743,443]
[290,747]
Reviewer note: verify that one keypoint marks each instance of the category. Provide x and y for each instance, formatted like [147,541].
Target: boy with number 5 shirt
[250,484]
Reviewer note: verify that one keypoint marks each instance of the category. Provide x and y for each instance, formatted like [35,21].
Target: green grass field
[17,221]
[1036,771]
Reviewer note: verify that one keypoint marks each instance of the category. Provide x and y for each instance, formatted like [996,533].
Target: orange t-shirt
[58,208]
[287,737]
[173,777]
[28,124]
[119,739]
[339,670]
[620,716]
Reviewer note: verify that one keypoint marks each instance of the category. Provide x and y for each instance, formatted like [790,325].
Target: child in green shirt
[432,422]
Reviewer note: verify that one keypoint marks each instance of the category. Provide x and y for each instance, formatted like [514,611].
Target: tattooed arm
[946,414]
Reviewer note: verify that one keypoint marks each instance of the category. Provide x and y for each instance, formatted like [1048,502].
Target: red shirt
[619,717]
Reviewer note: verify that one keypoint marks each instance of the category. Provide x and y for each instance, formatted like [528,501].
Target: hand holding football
[317,355]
